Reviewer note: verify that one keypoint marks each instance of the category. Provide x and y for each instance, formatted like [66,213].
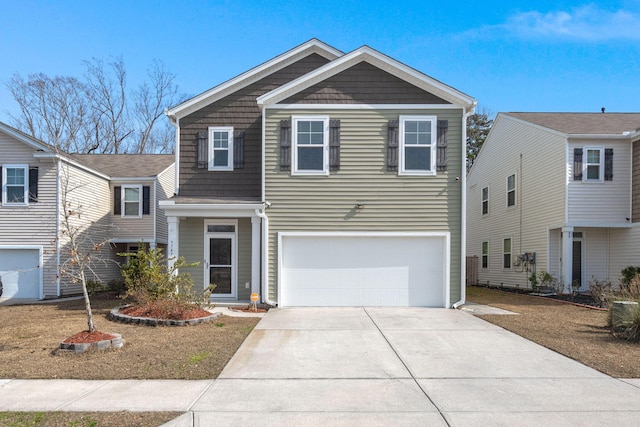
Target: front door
[220,253]
[576,269]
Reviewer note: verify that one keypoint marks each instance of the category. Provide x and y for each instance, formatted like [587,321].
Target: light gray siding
[601,202]
[164,190]
[391,202]
[538,159]
[133,229]
[34,224]
[88,194]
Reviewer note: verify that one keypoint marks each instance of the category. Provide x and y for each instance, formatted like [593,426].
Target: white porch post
[172,243]
[255,254]
[567,258]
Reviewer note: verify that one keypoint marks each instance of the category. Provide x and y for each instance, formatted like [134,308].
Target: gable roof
[27,139]
[126,165]
[584,123]
[377,59]
[253,75]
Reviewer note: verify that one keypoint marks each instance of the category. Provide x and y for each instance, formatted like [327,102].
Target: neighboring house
[323,179]
[562,186]
[116,195]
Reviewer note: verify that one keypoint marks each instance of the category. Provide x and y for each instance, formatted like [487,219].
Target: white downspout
[463,219]
[264,290]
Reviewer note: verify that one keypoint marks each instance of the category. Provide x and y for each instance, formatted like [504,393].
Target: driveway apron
[405,366]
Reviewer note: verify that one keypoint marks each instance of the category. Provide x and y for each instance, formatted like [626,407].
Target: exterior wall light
[359,206]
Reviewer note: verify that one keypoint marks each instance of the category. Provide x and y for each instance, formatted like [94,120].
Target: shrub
[95,286]
[601,291]
[117,285]
[629,291]
[629,273]
[148,277]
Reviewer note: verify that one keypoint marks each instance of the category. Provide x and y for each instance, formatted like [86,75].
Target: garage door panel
[20,273]
[363,271]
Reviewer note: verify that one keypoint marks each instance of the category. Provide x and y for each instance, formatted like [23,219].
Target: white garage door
[20,272]
[348,269]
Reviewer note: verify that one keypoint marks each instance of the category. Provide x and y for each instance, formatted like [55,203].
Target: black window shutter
[33,184]
[608,164]
[203,150]
[146,193]
[334,145]
[392,146]
[441,145]
[577,164]
[116,200]
[0,184]
[238,149]
[285,145]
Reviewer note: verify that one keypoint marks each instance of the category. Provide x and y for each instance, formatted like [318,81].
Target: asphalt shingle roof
[126,165]
[584,123]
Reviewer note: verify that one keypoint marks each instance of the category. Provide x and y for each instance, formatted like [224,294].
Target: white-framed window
[506,253]
[485,254]
[310,154]
[593,164]
[511,190]
[485,200]
[221,148]
[131,199]
[418,145]
[15,185]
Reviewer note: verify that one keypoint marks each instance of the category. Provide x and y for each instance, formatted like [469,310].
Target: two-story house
[553,192]
[114,199]
[321,178]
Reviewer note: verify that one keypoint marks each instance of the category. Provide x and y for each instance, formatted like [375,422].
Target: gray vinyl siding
[89,194]
[134,229]
[612,198]
[34,224]
[241,111]
[164,190]
[541,176]
[635,193]
[191,247]
[392,202]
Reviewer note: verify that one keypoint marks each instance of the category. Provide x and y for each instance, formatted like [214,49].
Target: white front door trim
[234,254]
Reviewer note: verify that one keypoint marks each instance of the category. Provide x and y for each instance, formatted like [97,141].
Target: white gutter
[264,290]
[463,219]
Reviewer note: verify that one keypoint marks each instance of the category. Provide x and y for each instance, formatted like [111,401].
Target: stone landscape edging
[116,316]
[116,342]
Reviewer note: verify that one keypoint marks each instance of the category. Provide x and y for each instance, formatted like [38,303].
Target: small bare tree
[82,248]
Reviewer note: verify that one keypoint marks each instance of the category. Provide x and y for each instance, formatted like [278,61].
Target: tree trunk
[87,303]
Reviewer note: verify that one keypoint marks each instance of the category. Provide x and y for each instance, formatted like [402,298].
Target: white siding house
[572,206]
[37,180]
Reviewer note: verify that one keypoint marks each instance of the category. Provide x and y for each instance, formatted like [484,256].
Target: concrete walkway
[365,366]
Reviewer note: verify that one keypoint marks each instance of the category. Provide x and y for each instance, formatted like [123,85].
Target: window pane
[221,158]
[485,193]
[511,198]
[220,139]
[507,245]
[317,126]
[411,126]
[485,207]
[511,182]
[131,208]
[131,194]
[15,194]
[221,277]
[593,156]
[417,158]
[593,172]
[15,176]
[310,132]
[220,251]
[417,132]
[506,262]
[221,228]
[485,248]
[304,127]
[310,158]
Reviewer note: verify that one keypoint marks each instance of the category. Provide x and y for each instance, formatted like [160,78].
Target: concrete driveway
[413,366]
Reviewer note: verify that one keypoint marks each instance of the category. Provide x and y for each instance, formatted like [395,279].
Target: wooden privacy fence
[472,270]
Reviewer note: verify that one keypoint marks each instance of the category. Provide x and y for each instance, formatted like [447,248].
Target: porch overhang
[209,209]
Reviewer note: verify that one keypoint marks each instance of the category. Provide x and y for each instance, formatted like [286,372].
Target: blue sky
[510,56]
